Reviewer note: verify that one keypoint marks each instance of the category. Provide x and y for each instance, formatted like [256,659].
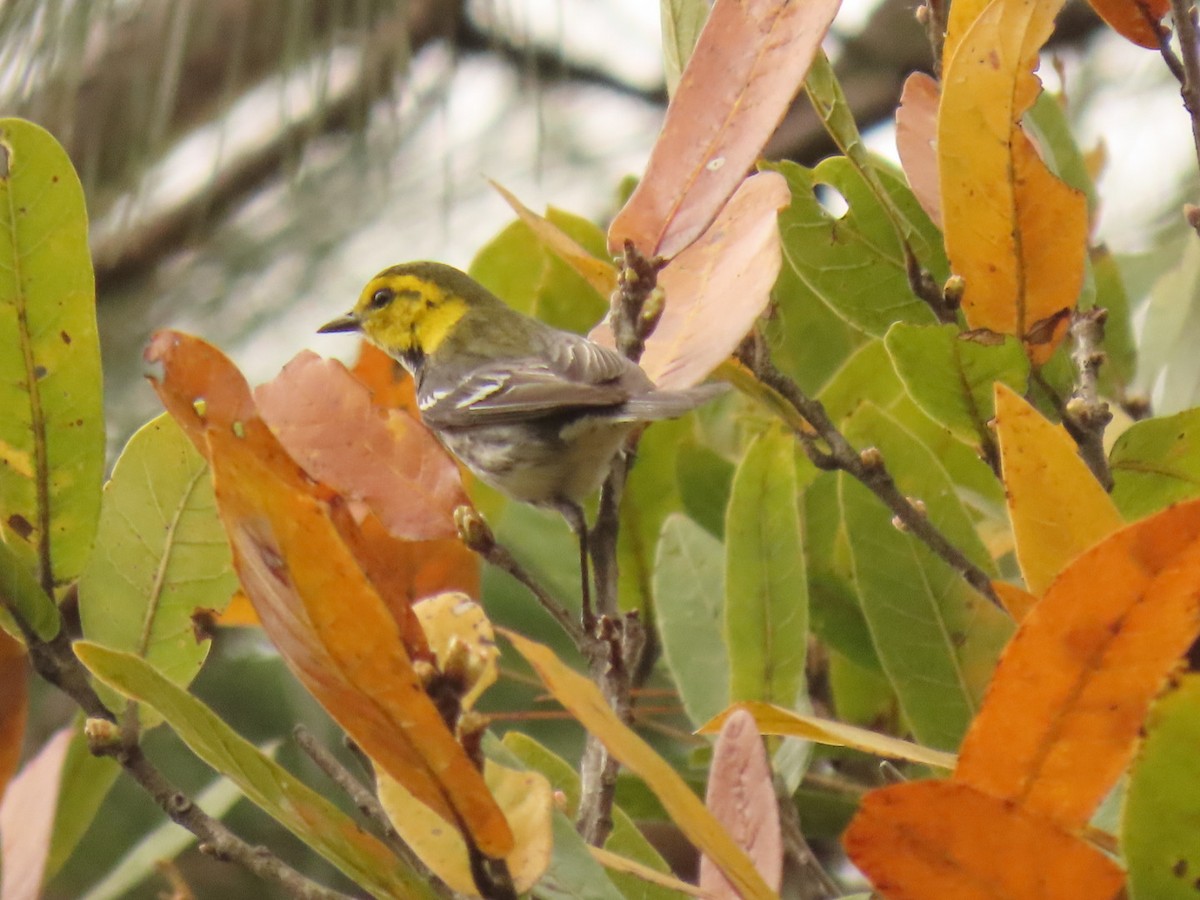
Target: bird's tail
[669,404]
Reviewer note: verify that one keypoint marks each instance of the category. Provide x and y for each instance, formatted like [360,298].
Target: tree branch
[866,466]
[1085,415]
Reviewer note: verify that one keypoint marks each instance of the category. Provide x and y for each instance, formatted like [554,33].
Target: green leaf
[689,572]
[166,841]
[625,840]
[161,555]
[308,815]
[1047,120]
[20,592]
[866,376]
[85,782]
[855,263]
[1120,342]
[936,638]
[1159,839]
[1169,367]
[1156,463]
[951,378]
[766,593]
[682,21]
[650,495]
[704,478]
[52,429]
[519,269]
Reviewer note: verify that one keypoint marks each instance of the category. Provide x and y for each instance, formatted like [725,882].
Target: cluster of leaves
[902,520]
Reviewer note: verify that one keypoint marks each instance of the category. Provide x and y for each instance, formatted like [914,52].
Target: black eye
[382,298]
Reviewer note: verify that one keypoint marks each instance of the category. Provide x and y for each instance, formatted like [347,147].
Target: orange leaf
[741,795]
[939,840]
[27,818]
[747,66]
[599,273]
[1014,232]
[239,613]
[1060,718]
[1136,20]
[384,459]
[390,384]
[916,141]
[340,640]
[1057,507]
[1017,602]
[717,287]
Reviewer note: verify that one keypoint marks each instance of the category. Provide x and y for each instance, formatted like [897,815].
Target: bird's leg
[576,519]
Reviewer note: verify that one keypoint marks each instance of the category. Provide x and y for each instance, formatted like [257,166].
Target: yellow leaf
[1057,507]
[776,720]
[528,803]
[1014,232]
[585,702]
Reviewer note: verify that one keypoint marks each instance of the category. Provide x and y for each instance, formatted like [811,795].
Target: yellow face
[403,312]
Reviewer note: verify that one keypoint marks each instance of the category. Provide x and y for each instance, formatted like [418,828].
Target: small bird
[536,412]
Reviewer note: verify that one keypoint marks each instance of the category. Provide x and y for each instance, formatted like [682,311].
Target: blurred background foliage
[248,163]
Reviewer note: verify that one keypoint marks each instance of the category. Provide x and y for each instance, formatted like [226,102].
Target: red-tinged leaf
[27,819]
[14,704]
[741,796]
[717,287]
[747,66]
[384,459]
[916,141]
[1014,231]
[340,640]
[939,840]
[599,273]
[1137,20]
[1075,682]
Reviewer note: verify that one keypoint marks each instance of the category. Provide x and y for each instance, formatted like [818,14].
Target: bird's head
[408,310]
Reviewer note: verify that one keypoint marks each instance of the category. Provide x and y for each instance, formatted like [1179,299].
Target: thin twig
[866,467]
[814,882]
[1085,415]
[933,16]
[367,804]
[215,839]
[476,534]
[1187,72]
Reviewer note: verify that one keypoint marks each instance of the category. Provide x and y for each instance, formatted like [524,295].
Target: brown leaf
[940,840]
[916,141]
[741,796]
[384,459]
[747,66]
[1062,713]
[27,819]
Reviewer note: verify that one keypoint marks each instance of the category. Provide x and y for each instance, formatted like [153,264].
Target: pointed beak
[348,322]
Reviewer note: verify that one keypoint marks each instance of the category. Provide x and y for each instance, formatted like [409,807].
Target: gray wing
[573,373]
